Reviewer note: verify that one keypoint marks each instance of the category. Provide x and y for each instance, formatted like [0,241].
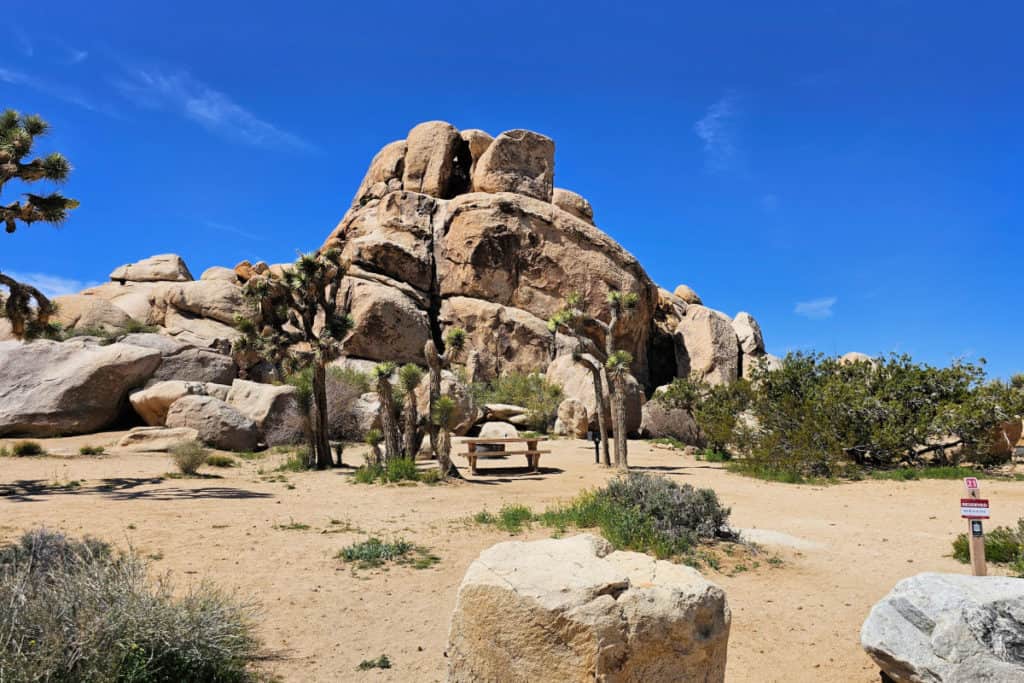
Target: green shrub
[382,662]
[113,624]
[914,473]
[401,469]
[28,448]
[1003,545]
[218,460]
[529,390]
[374,552]
[189,457]
[92,450]
[297,462]
[5,452]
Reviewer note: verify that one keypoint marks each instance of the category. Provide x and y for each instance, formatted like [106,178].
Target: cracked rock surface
[949,627]
[573,610]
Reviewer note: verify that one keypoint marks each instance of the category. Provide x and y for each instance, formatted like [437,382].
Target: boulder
[75,311]
[365,412]
[218,300]
[518,161]
[159,268]
[502,412]
[477,141]
[274,409]
[949,627]
[219,273]
[388,325]
[430,153]
[575,204]
[386,166]
[572,610]
[706,346]
[153,402]
[688,295]
[218,424]
[577,382]
[498,430]
[856,357]
[156,439]
[220,391]
[183,361]
[573,419]
[52,388]
[660,421]
[465,415]
[748,332]
[131,297]
[196,331]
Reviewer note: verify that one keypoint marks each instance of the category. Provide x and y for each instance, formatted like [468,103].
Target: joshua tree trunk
[410,440]
[388,421]
[619,417]
[444,454]
[434,365]
[601,401]
[322,446]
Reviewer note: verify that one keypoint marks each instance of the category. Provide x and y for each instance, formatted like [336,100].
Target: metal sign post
[973,508]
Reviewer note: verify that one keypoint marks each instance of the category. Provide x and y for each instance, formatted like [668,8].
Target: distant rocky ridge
[447,228]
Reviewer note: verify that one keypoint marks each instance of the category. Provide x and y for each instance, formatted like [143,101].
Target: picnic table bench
[531,452]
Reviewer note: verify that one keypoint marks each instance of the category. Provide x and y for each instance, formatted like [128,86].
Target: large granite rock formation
[948,627]
[573,610]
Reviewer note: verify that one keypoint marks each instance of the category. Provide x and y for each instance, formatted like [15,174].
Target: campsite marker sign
[973,508]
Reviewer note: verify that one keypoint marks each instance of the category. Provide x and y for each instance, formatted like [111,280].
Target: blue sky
[849,173]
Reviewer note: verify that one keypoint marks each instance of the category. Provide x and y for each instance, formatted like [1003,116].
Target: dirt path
[843,546]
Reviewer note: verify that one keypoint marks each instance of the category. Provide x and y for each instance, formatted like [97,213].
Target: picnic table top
[520,439]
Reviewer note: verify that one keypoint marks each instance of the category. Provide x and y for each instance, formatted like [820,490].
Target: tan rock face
[706,346]
[159,268]
[387,166]
[748,332]
[508,339]
[478,141]
[218,300]
[688,295]
[573,610]
[465,415]
[389,325]
[156,439]
[131,297]
[153,402]
[575,204]
[219,273]
[75,387]
[75,311]
[519,161]
[430,153]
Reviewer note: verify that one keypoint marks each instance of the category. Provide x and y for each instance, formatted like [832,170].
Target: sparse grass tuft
[382,662]
[218,460]
[189,457]
[92,450]
[398,471]
[292,526]
[374,552]
[28,448]
[914,473]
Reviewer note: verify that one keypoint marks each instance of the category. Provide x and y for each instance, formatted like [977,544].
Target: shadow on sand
[128,488]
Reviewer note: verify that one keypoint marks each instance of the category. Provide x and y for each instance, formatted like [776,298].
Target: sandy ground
[843,546]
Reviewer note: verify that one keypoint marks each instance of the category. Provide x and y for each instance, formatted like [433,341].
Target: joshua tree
[441,417]
[454,342]
[27,309]
[409,377]
[388,415]
[297,322]
[617,367]
[373,439]
[573,319]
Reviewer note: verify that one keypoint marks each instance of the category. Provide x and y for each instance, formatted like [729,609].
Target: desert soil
[843,547]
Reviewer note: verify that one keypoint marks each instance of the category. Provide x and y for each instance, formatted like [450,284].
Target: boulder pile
[448,228]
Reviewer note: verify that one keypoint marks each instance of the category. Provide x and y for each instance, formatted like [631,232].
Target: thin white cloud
[51,285]
[56,90]
[716,129]
[816,309]
[217,112]
[223,227]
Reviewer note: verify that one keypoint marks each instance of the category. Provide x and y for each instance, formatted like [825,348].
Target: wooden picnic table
[532,453]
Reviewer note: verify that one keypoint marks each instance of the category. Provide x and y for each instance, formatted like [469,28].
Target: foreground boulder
[153,402]
[156,439]
[573,419]
[183,361]
[52,388]
[573,610]
[949,627]
[217,423]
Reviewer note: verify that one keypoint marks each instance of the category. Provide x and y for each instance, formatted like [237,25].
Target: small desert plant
[189,457]
[113,623]
[368,474]
[374,552]
[92,450]
[1003,545]
[218,460]
[27,448]
[400,469]
[382,662]
[5,452]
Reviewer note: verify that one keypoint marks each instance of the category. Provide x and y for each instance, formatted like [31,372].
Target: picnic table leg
[472,458]
[531,460]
